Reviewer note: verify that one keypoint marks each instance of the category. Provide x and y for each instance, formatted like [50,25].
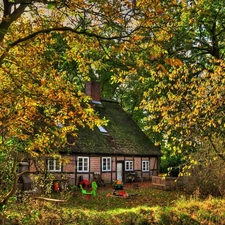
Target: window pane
[145,165]
[85,168]
[54,165]
[129,165]
[106,163]
[82,164]
[50,164]
[57,165]
[87,164]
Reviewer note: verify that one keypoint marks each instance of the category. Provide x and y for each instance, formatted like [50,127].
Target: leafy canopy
[163,59]
[42,99]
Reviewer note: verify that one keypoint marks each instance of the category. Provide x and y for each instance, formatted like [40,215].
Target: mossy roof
[123,136]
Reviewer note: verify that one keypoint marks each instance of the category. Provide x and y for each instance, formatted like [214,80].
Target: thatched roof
[123,136]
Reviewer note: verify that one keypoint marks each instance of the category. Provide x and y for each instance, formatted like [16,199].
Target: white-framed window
[106,163]
[129,165]
[82,164]
[145,166]
[54,165]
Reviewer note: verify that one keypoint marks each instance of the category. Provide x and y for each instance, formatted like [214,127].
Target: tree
[163,59]
[184,100]
[40,100]
[176,65]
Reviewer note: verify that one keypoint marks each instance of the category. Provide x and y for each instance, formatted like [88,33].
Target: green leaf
[50,6]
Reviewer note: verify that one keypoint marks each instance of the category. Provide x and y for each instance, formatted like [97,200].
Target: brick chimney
[93,90]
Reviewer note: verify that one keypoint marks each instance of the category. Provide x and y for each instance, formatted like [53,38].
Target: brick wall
[153,163]
[137,163]
[69,168]
[69,164]
[95,164]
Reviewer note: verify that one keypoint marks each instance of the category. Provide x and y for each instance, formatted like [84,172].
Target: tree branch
[5,199]
[64,29]
[216,150]
[12,16]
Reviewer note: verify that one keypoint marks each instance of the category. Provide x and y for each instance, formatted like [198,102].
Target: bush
[171,165]
[207,172]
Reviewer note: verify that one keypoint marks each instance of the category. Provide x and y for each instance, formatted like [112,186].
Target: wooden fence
[166,183]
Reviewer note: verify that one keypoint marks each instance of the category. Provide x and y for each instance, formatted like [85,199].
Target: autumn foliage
[164,61]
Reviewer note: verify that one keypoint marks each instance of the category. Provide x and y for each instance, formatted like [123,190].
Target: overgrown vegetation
[207,170]
[144,206]
[163,59]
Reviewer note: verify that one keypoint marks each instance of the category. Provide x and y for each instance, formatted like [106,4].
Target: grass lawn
[146,205]
[77,208]
[146,195]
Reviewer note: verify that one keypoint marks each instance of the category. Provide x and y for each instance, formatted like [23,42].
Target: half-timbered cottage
[112,151]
